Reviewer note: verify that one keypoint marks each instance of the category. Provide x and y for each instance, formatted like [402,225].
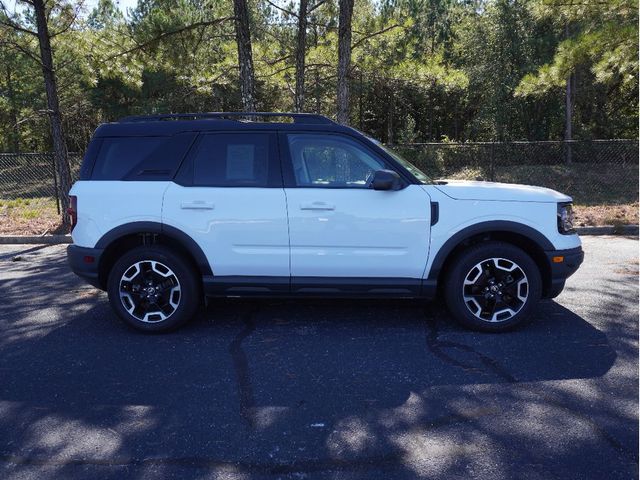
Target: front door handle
[197,205]
[317,206]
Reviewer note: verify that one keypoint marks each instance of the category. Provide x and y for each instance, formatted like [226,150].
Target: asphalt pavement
[317,389]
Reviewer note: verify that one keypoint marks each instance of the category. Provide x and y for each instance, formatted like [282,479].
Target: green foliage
[422,70]
[600,42]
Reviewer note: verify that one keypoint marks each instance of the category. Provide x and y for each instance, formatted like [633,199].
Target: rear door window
[236,160]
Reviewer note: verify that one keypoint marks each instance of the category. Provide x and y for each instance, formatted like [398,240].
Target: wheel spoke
[156,294]
[495,289]
[488,308]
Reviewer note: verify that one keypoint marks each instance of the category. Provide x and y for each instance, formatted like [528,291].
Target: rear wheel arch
[122,239]
[522,236]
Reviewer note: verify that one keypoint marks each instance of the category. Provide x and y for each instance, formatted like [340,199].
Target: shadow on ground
[288,387]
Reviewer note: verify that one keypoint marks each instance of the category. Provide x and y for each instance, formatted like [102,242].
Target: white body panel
[242,231]
[500,192]
[456,215]
[358,232]
[326,233]
[105,205]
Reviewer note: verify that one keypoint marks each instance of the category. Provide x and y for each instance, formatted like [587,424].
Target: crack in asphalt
[241,366]
[437,344]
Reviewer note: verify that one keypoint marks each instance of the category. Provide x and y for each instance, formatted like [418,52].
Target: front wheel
[152,289]
[492,287]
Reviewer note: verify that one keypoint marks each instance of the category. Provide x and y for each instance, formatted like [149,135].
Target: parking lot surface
[317,389]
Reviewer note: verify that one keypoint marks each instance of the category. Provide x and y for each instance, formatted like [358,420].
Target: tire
[492,287]
[173,299]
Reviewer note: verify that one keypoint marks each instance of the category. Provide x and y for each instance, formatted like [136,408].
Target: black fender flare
[156,227]
[485,227]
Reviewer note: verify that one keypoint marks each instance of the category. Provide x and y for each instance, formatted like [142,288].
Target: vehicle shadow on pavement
[267,387]
[331,355]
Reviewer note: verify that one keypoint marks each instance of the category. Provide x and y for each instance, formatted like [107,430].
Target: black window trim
[184,174]
[289,179]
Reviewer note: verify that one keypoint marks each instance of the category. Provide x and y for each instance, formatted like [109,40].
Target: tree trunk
[53,105]
[317,90]
[568,130]
[568,134]
[13,112]
[245,58]
[390,114]
[344,60]
[360,104]
[301,49]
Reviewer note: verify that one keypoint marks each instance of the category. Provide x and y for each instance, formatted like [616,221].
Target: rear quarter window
[140,158]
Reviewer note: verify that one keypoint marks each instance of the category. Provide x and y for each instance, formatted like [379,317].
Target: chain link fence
[596,173]
[29,192]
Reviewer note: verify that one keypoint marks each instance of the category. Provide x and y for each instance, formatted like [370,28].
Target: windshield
[419,174]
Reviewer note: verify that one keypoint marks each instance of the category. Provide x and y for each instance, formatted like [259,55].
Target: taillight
[73,210]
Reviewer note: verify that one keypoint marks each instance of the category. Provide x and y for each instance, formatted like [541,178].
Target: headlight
[565,218]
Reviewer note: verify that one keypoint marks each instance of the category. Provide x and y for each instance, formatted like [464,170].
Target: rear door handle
[317,206]
[197,205]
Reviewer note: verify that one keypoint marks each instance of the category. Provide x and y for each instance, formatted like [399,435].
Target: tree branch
[316,6]
[71,22]
[367,37]
[164,35]
[20,48]
[15,26]
[278,60]
[288,12]
[289,67]
[273,74]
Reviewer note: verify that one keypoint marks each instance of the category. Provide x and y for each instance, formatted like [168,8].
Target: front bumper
[85,262]
[560,270]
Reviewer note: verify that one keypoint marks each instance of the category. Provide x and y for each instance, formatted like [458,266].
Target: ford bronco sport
[170,209]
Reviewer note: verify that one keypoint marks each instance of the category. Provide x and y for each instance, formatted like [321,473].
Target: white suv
[172,208]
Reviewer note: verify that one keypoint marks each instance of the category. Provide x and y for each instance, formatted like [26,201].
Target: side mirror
[386,180]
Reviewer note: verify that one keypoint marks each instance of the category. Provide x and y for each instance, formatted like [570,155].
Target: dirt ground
[602,215]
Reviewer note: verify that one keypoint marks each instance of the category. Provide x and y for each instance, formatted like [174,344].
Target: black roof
[169,124]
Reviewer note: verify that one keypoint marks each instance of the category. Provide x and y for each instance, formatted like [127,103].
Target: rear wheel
[493,287]
[153,290]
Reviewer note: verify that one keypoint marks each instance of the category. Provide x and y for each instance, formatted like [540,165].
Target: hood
[506,192]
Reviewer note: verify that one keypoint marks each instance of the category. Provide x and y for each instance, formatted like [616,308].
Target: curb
[61,239]
[614,230]
[35,239]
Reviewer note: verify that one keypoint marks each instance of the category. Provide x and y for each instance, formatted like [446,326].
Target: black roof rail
[308,118]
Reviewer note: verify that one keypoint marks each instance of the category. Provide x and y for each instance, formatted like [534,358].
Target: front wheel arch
[531,241]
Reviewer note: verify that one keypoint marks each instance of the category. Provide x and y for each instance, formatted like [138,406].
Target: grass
[28,216]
